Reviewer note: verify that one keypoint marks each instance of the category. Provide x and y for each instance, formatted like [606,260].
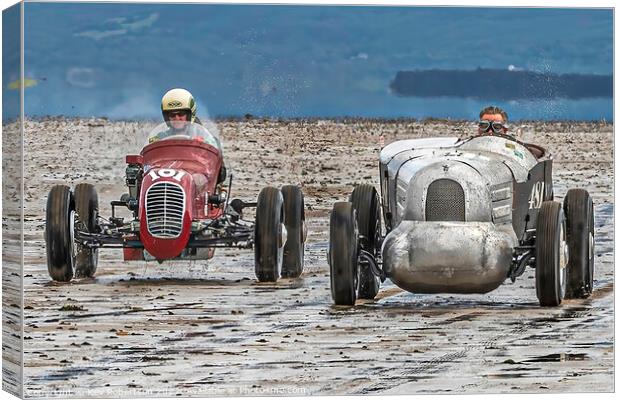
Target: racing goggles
[495,126]
[176,113]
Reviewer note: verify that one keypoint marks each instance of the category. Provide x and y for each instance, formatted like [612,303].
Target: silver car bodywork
[448,207]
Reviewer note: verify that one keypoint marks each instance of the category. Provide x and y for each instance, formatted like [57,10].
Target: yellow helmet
[178,100]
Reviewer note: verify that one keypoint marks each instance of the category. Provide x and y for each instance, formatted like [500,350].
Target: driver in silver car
[493,120]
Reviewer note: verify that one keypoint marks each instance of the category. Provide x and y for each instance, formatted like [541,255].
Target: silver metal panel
[407,171]
[395,154]
[399,177]
[501,192]
[518,158]
[475,187]
[448,257]
[476,173]
[165,207]
[394,148]
[502,211]
[410,166]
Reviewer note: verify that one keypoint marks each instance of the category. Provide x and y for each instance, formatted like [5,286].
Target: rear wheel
[579,211]
[294,219]
[59,231]
[343,253]
[551,254]
[87,207]
[366,203]
[269,235]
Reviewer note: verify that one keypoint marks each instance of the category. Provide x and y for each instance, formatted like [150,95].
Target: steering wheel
[180,136]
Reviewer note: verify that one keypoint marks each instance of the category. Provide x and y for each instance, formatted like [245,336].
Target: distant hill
[503,85]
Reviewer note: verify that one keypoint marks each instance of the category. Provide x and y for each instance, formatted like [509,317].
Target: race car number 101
[167,173]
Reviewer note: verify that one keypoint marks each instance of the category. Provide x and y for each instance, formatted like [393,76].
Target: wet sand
[203,329]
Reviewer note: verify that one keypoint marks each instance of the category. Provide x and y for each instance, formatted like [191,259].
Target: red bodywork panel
[194,167]
[130,254]
[134,159]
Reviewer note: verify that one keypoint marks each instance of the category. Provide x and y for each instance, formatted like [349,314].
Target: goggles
[176,113]
[495,126]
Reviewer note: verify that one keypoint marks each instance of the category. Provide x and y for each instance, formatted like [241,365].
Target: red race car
[180,211]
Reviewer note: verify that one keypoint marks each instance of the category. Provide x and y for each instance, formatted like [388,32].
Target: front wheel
[294,221]
[59,233]
[87,207]
[269,235]
[365,200]
[551,254]
[343,251]
[579,211]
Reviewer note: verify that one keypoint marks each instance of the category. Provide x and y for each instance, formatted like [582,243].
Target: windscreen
[183,130]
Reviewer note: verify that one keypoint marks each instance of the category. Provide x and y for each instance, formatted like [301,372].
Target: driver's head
[178,108]
[492,120]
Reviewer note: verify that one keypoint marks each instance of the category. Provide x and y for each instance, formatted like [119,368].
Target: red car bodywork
[193,166]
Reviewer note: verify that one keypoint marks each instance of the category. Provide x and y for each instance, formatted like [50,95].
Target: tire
[579,211]
[551,257]
[221,177]
[294,219]
[343,245]
[59,224]
[87,208]
[268,235]
[366,203]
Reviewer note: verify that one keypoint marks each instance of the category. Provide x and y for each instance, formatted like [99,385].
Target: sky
[117,60]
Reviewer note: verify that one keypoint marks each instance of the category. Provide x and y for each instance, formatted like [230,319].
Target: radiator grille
[445,201]
[165,205]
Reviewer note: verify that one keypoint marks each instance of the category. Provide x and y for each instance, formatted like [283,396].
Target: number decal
[179,175]
[167,173]
[537,195]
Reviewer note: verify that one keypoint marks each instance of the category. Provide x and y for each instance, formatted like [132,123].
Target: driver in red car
[178,108]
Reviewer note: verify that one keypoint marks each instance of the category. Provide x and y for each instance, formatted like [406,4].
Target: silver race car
[462,216]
